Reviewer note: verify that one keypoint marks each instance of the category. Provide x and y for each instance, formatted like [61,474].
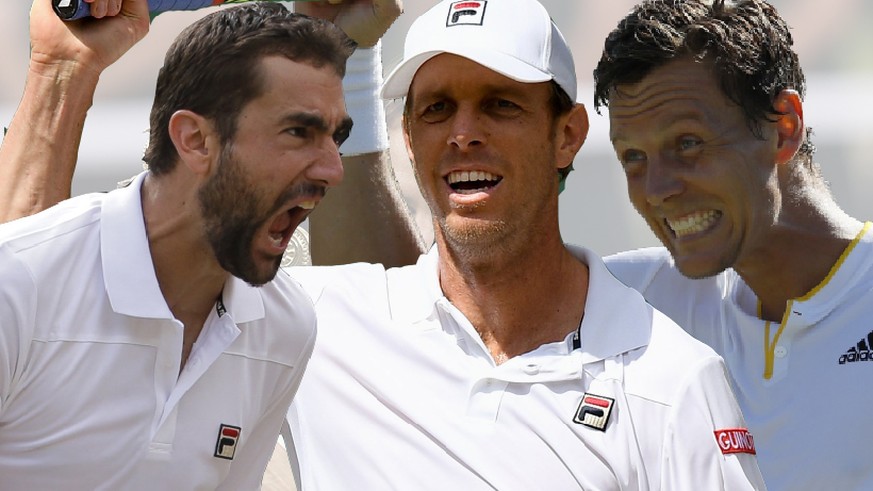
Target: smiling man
[504,359]
[706,117]
[102,385]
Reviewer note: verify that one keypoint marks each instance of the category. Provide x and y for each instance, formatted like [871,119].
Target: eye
[688,142]
[632,155]
[632,161]
[506,104]
[298,131]
[437,108]
[436,112]
[341,135]
[503,106]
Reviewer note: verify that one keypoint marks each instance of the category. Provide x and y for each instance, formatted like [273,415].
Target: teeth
[307,205]
[469,191]
[693,223]
[474,175]
[277,239]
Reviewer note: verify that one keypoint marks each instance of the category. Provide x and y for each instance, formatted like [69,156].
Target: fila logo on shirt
[860,352]
[735,440]
[228,437]
[466,13]
[594,411]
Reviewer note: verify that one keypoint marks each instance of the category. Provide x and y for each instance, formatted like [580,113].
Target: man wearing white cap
[503,359]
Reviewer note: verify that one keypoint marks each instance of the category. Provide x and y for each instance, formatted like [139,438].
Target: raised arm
[38,154]
[365,218]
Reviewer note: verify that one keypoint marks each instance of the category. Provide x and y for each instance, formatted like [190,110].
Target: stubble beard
[229,205]
[232,215]
[475,242]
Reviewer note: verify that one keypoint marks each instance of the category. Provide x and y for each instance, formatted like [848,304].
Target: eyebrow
[316,121]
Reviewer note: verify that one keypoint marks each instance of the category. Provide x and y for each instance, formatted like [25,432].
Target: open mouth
[693,223]
[471,182]
[283,226]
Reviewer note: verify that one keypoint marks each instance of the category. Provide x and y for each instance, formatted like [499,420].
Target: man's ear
[195,139]
[570,133]
[406,139]
[790,129]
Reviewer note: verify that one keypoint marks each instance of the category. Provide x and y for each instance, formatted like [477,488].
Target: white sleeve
[637,268]
[695,304]
[707,444]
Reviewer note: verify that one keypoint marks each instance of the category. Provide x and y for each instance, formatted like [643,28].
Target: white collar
[128,271]
[617,318]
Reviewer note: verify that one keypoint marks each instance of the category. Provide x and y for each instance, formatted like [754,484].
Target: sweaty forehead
[681,89]
[679,79]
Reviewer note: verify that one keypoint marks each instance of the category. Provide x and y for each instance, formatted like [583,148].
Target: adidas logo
[860,352]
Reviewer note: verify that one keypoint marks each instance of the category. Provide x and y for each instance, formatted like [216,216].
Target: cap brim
[397,83]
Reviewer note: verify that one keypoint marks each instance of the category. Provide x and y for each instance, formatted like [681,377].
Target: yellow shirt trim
[770,345]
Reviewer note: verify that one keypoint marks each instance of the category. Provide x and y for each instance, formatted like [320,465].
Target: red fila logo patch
[467,12]
[228,437]
[735,440]
[594,411]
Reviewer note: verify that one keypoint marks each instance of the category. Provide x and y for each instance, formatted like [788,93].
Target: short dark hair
[213,67]
[746,42]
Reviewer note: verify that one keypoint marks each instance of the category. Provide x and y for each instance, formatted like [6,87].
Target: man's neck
[796,260]
[189,276]
[517,302]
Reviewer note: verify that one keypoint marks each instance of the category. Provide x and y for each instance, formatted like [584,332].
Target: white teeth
[473,175]
[277,239]
[693,223]
[469,191]
[307,205]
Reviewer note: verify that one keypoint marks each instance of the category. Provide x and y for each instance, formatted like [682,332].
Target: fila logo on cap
[466,13]
[594,411]
[735,440]
[228,437]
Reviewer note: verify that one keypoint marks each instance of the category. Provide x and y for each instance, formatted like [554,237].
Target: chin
[255,273]
[481,235]
[264,276]
[698,268]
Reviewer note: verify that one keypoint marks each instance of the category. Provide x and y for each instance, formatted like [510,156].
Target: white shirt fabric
[811,418]
[91,396]
[402,394]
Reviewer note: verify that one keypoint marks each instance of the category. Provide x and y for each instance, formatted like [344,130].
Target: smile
[471,182]
[693,223]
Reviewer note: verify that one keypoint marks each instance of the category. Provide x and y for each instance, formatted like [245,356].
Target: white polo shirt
[402,394]
[90,391]
[805,392]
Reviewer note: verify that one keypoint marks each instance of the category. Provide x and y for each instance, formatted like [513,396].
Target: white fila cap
[515,38]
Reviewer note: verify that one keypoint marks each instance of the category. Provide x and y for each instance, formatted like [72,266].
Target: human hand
[365,21]
[91,43]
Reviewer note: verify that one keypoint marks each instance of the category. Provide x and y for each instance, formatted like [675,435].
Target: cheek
[424,157]
[636,192]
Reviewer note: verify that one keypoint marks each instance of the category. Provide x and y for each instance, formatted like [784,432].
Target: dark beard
[232,215]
